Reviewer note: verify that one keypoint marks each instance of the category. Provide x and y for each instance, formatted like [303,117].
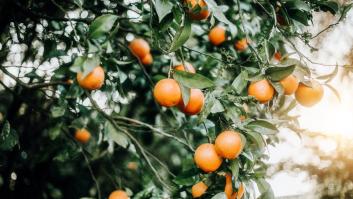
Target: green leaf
[8,137]
[221,195]
[163,8]
[101,25]
[262,126]
[77,66]
[182,36]
[187,178]
[345,9]
[240,82]
[58,111]
[192,80]
[330,6]
[278,73]
[185,93]
[79,3]
[89,64]
[218,13]
[217,107]
[257,138]
[234,168]
[265,189]
[55,131]
[118,137]
[297,5]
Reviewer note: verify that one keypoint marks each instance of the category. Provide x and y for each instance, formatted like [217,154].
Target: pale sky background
[329,116]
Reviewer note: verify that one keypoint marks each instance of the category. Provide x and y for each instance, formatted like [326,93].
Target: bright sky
[329,116]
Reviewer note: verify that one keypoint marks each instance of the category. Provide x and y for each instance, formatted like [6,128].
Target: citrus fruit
[82,135]
[198,9]
[290,84]
[189,67]
[139,47]
[277,56]
[118,194]
[262,91]
[309,96]
[217,35]
[195,104]
[167,92]
[241,45]
[228,188]
[228,144]
[206,158]
[198,189]
[94,80]
[147,59]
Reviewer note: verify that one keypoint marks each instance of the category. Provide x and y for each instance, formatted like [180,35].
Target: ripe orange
[262,91]
[290,84]
[147,59]
[241,45]
[82,135]
[94,80]
[277,56]
[118,194]
[195,104]
[139,47]
[309,96]
[189,67]
[167,92]
[198,189]
[228,144]
[132,166]
[206,158]
[228,188]
[201,14]
[217,35]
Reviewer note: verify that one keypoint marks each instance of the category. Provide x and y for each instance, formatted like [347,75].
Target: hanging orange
[195,104]
[189,67]
[198,189]
[82,135]
[290,84]
[206,158]
[167,92]
[147,59]
[217,35]
[201,13]
[228,144]
[262,91]
[241,45]
[228,188]
[94,80]
[139,47]
[118,194]
[309,96]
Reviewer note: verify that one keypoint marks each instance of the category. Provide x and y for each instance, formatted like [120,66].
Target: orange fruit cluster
[209,157]
[306,95]
[167,92]
[141,49]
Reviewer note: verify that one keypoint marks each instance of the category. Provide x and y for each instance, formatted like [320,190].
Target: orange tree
[149,99]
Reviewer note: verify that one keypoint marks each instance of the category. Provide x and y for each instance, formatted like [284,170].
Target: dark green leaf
[101,25]
[192,80]
[116,136]
[163,7]
[240,82]
[278,73]
[182,36]
[8,137]
[263,127]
